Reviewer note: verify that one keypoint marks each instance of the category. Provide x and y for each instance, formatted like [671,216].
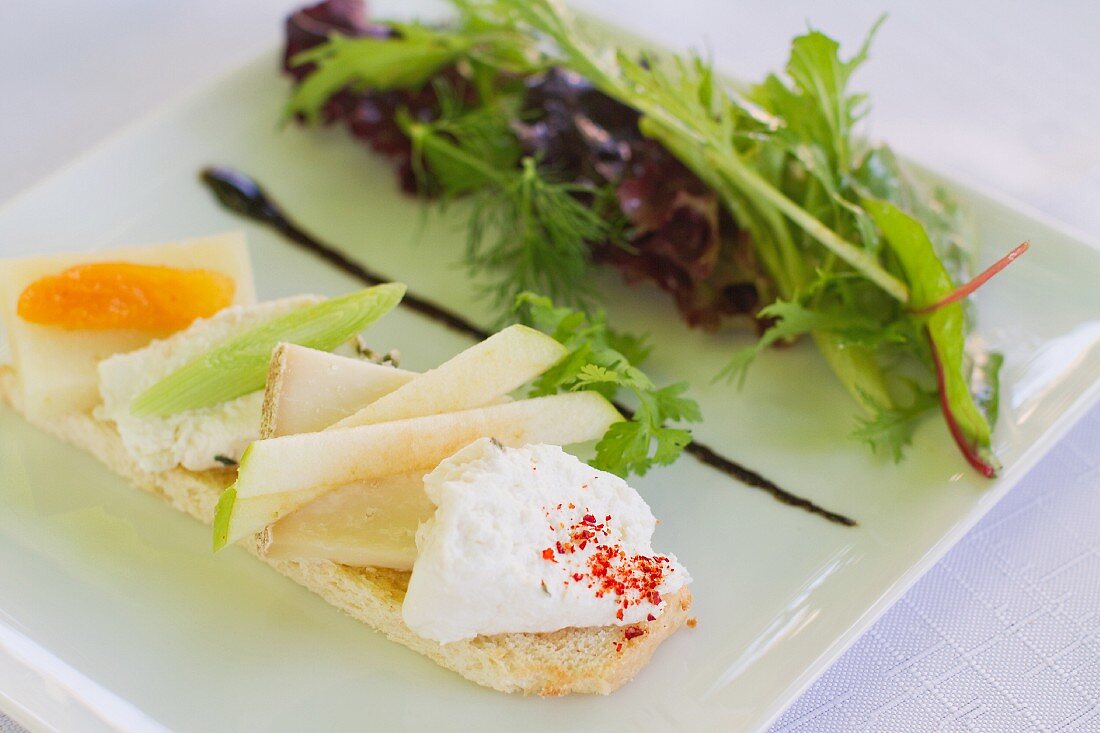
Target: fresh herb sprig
[525,231]
[685,109]
[602,360]
[409,59]
[851,245]
[788,167]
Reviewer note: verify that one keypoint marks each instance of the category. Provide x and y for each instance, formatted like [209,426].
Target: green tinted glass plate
[114,615]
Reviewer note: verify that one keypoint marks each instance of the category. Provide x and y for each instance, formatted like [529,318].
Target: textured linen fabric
[1003,636]
[7,725]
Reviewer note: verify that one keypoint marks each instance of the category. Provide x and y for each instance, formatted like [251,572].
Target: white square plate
[115,616]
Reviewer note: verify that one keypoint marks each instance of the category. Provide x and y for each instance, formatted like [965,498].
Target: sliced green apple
[485,371]
[365,524]
[332,458]
[309,390]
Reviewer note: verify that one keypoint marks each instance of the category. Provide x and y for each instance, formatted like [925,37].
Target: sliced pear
[485,371]
[309,390]
[365,524]
[312,461]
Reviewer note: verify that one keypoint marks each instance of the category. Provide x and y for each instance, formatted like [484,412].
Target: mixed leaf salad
[760,203]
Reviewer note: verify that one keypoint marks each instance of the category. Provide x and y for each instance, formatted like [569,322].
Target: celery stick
[239,366]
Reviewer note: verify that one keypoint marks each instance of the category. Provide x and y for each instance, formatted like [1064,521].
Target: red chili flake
[650,617]
[633,632]
[630,579]
[619,647]
[571,505]
[583,486]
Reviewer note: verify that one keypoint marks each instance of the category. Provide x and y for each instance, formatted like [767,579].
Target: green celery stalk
[239,366]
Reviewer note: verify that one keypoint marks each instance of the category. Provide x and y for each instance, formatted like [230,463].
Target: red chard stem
[970,449]
[965,291]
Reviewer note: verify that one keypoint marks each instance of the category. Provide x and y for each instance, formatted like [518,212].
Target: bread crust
[574,660]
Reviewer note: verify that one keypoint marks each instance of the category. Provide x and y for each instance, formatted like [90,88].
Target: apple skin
[482,373]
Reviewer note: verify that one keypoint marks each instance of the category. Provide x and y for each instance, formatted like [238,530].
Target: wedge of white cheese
[309,390]
[56,368]
[531,540]
[208,437]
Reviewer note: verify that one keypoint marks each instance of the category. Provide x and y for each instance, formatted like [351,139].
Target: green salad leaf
[890,429]
[681,109]
[407,60]
[945,329]
[381,63]
[604,361]
[851,246]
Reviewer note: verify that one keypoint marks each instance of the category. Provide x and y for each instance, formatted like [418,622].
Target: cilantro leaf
[624,449]
[593,363]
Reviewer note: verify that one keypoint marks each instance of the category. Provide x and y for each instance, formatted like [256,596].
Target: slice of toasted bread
[590,660]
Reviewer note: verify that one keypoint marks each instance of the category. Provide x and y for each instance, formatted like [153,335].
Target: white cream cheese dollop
[530,540]
[194,439]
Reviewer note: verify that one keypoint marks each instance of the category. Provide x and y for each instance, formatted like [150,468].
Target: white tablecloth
[1004,634]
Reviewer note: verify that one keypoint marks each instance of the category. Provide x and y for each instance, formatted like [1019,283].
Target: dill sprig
[685,110]
[525,230]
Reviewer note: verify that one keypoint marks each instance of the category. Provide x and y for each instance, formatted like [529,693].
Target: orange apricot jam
[123,295]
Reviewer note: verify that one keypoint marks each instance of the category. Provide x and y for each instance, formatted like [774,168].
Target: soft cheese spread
[529,540]
[201,439]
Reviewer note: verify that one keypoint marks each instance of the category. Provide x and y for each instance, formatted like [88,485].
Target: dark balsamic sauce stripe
[746,475]
[244,196]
